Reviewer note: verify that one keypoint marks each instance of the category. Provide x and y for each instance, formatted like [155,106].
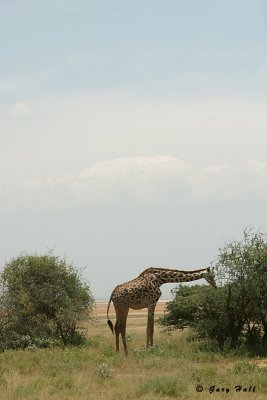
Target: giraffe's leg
[148,333]
[123,332]
[120,328]
[117,329]
[150,325]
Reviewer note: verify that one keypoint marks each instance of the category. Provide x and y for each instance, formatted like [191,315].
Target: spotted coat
[144,292]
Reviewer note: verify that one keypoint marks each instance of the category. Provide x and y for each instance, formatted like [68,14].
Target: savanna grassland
[171,369]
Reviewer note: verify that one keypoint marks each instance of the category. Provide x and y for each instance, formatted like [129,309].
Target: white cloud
[135,168]
[257,168]
[129,180]
[136,180]
[143,181]
[231,182]
[79,130]
[20,108]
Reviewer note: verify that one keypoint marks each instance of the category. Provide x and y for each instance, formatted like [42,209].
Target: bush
[235,313]
[201,308]
[42,297]
[23,342]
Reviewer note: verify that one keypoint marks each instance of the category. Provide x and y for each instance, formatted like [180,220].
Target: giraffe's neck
[163,275]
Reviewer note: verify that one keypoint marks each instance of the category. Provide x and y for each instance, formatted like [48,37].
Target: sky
[133,134]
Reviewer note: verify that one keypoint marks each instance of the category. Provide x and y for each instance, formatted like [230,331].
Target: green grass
[171,369]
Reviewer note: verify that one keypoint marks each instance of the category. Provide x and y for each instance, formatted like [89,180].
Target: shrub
[104,371]
[44,298]
[23,342]
[235,313]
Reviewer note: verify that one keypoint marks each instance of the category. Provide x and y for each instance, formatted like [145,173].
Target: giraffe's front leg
[150,325]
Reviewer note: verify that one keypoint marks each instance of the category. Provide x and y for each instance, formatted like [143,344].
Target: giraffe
[144,292]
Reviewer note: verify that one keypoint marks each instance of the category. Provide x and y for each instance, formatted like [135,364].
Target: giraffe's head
[209,276]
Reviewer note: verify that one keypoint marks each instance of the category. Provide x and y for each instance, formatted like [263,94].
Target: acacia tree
[243,265]
[44,297]
[237,312]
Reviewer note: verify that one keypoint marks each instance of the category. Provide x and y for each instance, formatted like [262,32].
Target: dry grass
[171,370]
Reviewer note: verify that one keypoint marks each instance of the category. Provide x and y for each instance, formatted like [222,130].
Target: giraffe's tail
[110,324]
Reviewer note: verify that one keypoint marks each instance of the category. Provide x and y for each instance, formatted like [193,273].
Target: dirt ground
[101,309]
[136,321]
[262,363]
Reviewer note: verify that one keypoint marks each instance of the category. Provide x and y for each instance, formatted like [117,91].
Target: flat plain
[175,368]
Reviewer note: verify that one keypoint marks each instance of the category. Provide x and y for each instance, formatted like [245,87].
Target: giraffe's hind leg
[123,333]
[117,329]
[120,328]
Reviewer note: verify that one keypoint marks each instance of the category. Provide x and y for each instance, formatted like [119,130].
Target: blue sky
[54,47]
[132,133]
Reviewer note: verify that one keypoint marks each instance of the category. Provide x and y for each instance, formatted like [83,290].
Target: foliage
[198,307]
[15,341]
[104,371]
[131,337]
[143,351]
[42,298]
[235,313]
[183,308]
[243,265]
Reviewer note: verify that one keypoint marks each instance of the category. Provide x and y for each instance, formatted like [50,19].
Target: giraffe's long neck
[169,275]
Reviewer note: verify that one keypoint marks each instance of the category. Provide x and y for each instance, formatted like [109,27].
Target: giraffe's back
[135,294]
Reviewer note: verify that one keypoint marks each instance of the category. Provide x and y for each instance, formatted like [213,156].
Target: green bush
[234,314]
[43,300]
[23,342]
